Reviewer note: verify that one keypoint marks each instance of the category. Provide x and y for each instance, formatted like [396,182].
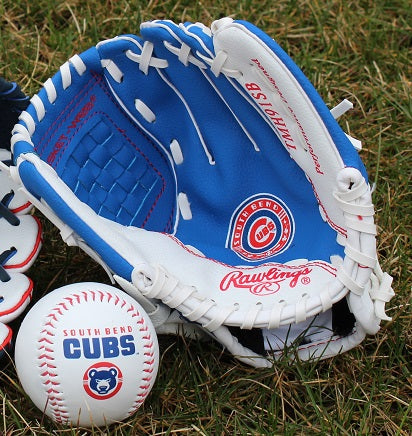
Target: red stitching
[50,382]
[104,88]
[52,391]
[98,82]
[50,378]
[54,125]
[334,226]
[63,305]
[35,250]
[56,309]
[46,356]
[21,208]
[69,299]
[49,365]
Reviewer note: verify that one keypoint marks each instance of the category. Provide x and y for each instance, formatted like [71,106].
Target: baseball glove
[204,171]
[20,233]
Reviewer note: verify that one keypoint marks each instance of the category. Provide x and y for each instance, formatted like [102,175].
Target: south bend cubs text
[95,343]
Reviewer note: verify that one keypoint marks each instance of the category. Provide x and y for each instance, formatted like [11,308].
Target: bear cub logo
[103,381]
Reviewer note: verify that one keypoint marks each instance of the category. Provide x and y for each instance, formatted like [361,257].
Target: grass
[360,50]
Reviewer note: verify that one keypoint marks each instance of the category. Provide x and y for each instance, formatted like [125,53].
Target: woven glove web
[204,171]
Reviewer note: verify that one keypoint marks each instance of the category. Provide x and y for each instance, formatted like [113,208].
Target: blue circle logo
[261,227]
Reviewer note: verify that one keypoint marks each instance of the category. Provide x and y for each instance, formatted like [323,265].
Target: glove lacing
[360,271]
[12,219]
[157,284]
[4,257]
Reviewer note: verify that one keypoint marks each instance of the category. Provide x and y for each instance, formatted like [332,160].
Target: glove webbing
[145,60]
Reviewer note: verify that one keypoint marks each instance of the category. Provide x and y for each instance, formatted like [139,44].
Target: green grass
[360,50]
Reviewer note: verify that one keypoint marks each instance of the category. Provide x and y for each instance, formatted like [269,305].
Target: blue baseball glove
[203,170]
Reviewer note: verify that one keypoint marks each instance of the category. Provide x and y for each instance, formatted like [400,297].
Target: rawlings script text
[266,282]
[71,128]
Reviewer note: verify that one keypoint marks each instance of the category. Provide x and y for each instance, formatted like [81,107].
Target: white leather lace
[155,283]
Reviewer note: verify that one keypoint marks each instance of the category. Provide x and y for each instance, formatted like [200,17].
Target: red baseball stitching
[48,370]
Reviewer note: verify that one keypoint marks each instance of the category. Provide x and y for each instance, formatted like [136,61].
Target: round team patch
[102,380]
[261,227]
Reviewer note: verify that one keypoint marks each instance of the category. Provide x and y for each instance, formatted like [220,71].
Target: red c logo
[262,233]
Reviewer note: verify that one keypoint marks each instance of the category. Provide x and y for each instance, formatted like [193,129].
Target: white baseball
[87,354]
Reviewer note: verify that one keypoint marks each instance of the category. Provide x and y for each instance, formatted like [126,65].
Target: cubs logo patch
[102,380]
[261,227]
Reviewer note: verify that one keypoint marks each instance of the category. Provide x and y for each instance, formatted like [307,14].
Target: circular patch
[102,380]
[261,227]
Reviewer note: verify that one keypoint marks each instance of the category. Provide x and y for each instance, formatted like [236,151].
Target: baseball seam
[48,370]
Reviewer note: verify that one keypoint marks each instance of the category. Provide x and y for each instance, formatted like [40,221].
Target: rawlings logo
[265,282]
[64,137]
[261,227]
